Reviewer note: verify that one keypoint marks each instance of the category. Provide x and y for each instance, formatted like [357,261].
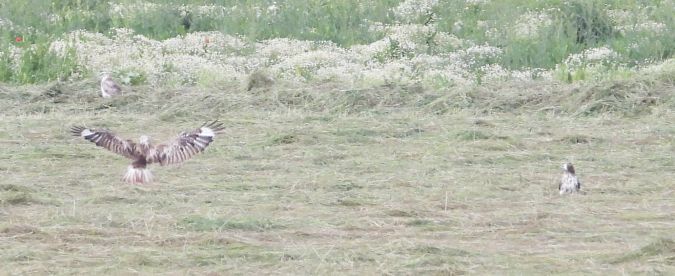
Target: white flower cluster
[408,52]
[480,54]
[619,17]
[529,24]
[369,51]
[6,24]
[476,2]
[14,53]
[593,56]
[463,67]
[273,8]
[125,10]
[449,41]
[410,36]
[213,56]
[659,68]
[278,48]
[651,26]
[209,10]
[646,26]
[634,21]
[414,8]
[180,60]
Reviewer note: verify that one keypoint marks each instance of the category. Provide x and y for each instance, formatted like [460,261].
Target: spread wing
[106,139]
[188,144]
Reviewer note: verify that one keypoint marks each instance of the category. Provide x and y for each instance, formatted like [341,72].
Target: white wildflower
[476,2]
[529,24]
[369,51]
[530,74]
[176,60]
[450,75]
[619,16]
[457,26]
[6,23]
[273,8]
[281,47]
[651,26]
[377,26]
[601,55]
[391,71]
[408,38]
[124,10]
[447,40]
[646,27]
[428,61]
[414,8]
[480,54]
[59,47]
[493,72]
[51,18]
[302,65]
[123,33]
[208,10]
[14,54]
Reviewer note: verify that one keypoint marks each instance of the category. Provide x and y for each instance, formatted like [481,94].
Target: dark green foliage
[587,22]
[37,64]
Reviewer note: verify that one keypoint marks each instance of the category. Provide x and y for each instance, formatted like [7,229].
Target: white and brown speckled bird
[108,86]
[569,182]
[184,147]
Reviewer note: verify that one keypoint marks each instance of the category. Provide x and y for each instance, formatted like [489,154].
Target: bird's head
[104,74]
[568,167]
[145,140]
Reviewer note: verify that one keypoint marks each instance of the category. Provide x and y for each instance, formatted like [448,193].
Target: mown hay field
[362,137]
[319,180]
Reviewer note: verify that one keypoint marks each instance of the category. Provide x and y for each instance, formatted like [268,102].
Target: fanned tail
[137,175]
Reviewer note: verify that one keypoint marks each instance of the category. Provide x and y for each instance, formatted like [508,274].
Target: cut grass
[662,249]
[198,223]
[324,187]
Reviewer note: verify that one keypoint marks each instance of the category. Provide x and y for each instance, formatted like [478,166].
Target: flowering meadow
[357,43]
[378,137]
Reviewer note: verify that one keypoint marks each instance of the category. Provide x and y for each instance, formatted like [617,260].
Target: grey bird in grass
[569,182]
[108,86]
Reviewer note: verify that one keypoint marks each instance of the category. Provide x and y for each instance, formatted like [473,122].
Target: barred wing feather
[107,140]
[188,144]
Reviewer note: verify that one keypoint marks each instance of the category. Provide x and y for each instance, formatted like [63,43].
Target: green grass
[340,22]
[575,26]
[399,185]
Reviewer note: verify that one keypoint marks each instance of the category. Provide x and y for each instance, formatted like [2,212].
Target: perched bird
[259,79]
[186,20]
[108,86]
[569,182]
[186,145]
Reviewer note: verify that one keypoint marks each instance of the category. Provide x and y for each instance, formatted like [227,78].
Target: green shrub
[38,64]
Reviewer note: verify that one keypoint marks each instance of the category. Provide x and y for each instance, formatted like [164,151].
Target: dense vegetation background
[480,40]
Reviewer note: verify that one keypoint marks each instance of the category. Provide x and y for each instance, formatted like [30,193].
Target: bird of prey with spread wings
[184,147]
[569,182]
[108,86]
